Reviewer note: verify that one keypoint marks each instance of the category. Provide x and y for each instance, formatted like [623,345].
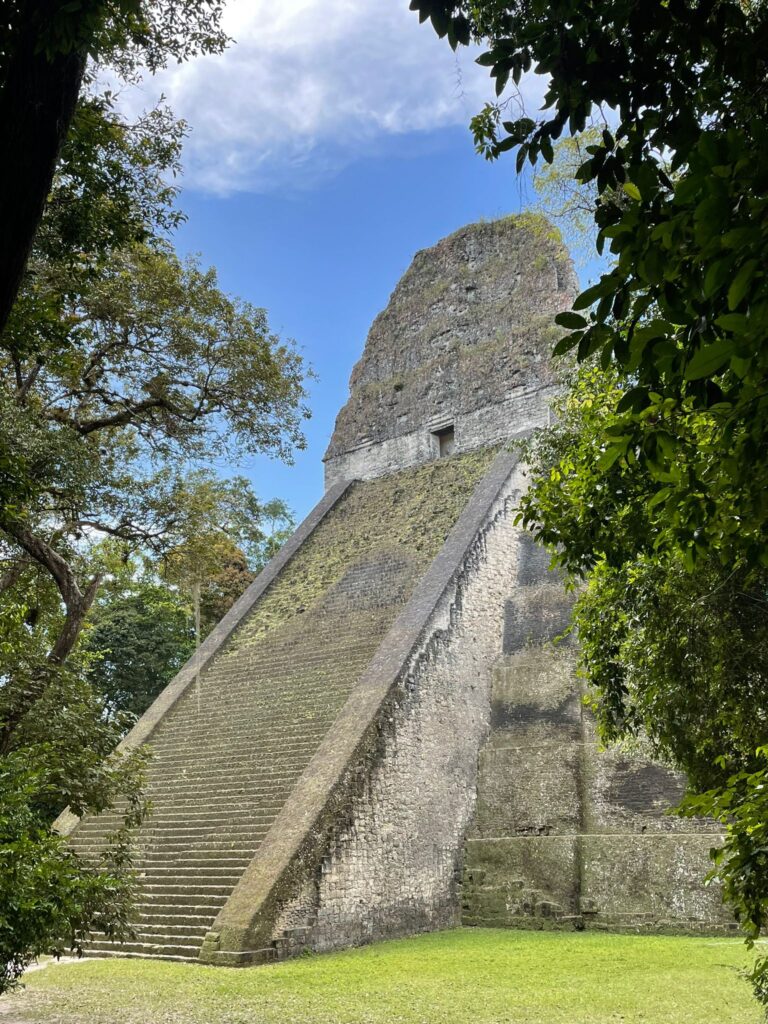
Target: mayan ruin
[381,737]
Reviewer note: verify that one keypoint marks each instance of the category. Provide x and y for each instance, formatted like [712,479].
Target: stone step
[189,746]
[179,842]
[116,953]
[153,884]
[214,871]
[165,919]
[173,852]
[174,830]
[233,791]
[206,792]
[254,718]
[197,808]
[203,825]
[151,888]
[181,910]
[219,818]
[194,758]
[179,758]
[202,870]
[209,847]
[240,773]
[161,950]
[187,795]
[176,758]
[261,721]
[221,813]
[172,933]
[197,860]
[262,772]
[194,898]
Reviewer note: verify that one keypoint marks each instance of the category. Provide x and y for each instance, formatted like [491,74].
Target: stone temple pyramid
[384,738]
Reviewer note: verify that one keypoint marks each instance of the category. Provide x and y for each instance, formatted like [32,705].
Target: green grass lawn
[470,976]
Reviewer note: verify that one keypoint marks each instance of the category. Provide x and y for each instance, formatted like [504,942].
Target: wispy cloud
[311,85]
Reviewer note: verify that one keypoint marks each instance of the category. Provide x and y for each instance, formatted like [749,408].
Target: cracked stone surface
[464,341]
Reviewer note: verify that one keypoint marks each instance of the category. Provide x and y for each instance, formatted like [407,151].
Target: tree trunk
[77,603]
[77,608]
[37,103]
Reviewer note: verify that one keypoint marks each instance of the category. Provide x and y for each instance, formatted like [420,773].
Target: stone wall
[567,834]
[463,342]
[394,866]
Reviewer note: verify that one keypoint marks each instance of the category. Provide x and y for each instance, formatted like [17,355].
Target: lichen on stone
[408,514]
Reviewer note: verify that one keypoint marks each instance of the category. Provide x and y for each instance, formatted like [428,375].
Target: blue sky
[327,146]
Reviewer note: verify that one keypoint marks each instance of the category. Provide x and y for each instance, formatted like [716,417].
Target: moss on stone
[410,513]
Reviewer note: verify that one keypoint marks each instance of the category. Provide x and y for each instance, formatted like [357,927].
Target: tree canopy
[121,364]
[681,161]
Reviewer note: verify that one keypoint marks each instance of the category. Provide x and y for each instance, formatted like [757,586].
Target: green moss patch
[408,514]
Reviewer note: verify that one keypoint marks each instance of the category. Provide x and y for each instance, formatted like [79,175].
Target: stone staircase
[207,821]
[230,750]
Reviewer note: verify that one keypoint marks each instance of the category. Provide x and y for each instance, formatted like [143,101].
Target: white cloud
[311,85]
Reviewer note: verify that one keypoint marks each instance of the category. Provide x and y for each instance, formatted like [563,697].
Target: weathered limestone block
[567,834]
[652,883]
[464,343]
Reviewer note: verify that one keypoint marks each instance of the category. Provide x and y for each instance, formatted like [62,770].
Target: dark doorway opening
[445,441]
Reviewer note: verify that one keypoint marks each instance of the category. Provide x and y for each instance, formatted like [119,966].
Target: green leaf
[567,343]
[610,456]
[603,287]
[635,399]
[570,320]
[734,323]
[658,497]
[740,283]
[716,276]
[708,360]
[740,366]
[632,191]
[657,328]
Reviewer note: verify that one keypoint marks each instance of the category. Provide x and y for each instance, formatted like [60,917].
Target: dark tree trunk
[37,103]
[77,604]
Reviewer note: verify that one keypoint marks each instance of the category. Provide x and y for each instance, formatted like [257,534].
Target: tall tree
[676,654]
[62,755]
[121,368]
[44,46]
[120,363]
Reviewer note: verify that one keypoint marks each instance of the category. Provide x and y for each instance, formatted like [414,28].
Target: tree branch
[77,604]
[26,385]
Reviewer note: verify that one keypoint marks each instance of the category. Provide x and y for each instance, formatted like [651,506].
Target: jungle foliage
[122,368]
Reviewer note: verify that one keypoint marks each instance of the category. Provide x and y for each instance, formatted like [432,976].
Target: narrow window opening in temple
[445,441]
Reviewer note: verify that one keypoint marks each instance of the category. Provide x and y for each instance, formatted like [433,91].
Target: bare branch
[26,385]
